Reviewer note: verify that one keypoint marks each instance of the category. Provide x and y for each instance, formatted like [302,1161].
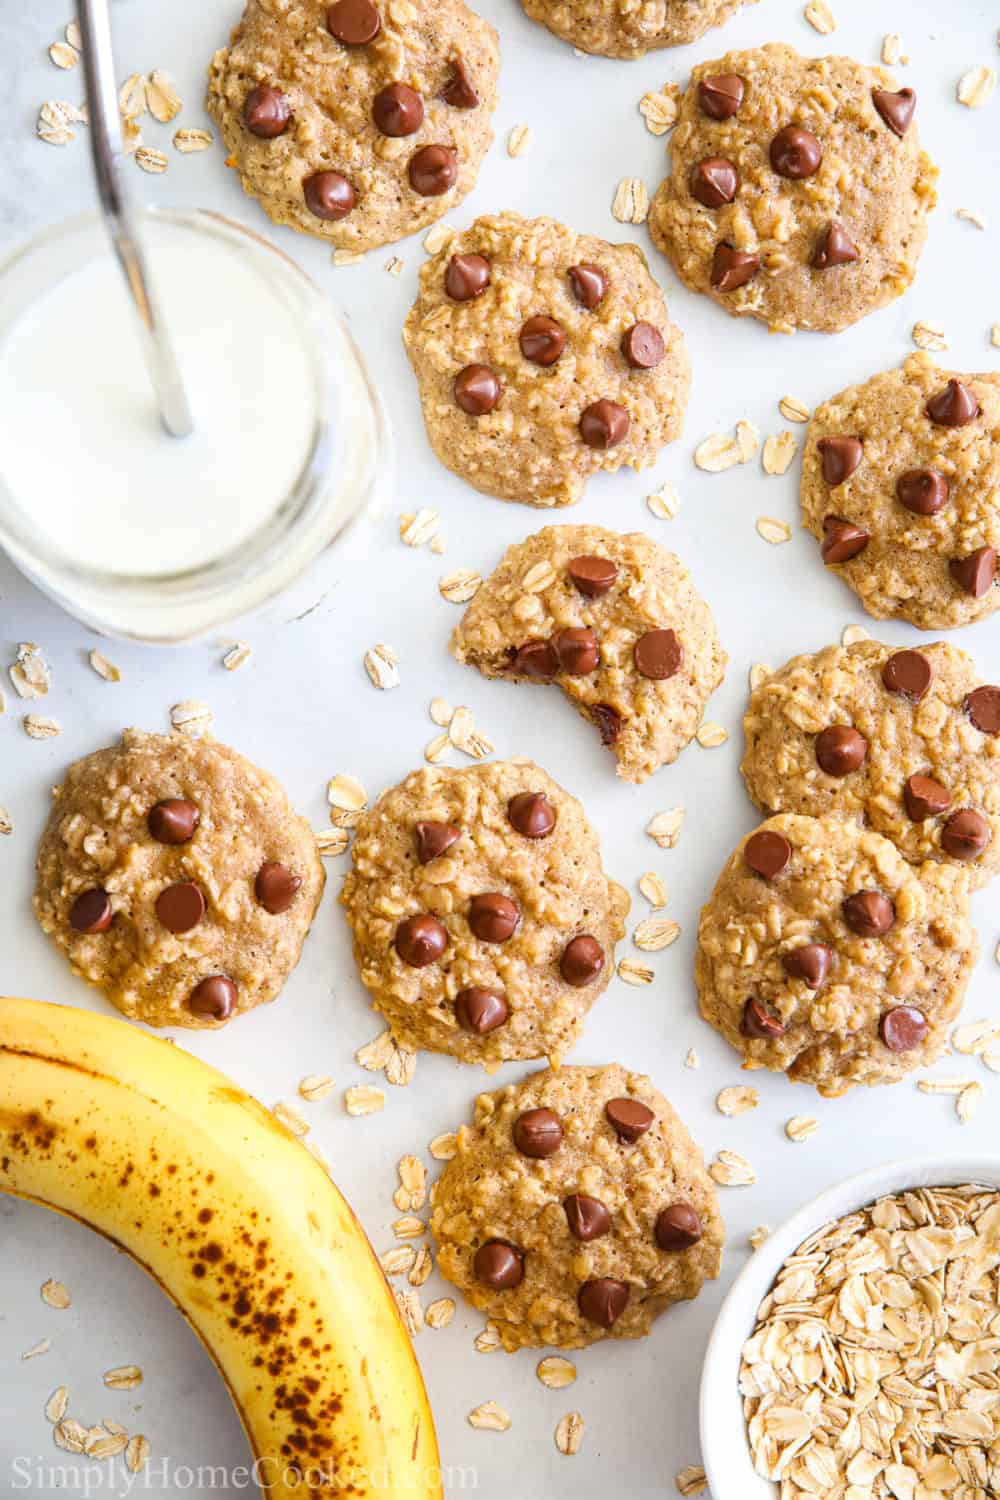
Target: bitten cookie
[616,622]
[176,878]
[906,742]
[356,121]
[899,485]
[542,356]
[484,924]
[798,192]
[577,1208]
[823,954]
[623,28]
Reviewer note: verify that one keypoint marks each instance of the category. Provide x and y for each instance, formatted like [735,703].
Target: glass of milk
[158,538]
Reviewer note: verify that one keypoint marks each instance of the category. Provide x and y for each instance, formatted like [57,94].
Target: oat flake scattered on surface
[191,716]
[137,1453]
[631,201]
[411,1194]
[363,1099]
[55,1294]
[152,160]
[664,828]
[38,727]
[556,1372]
[189,140]
[760,1236]
[30,672]
[382,666]
[103,667]
[123,1378]
[928,336]
[975,88]
[664,503]
[520,140]
[56,119]
[773,531]
[569,1433]
[655,933]
[971,216]
[851,634]
[758,675]
[489,1417]
[418,527]
[488,1341]
[444,1147]
[6,822]
[57,1404]
[659,108]
[820,17]
[237,656]
[439,1314]
[717,453]
[801,1127]
[736,1100]
[162,99]
[730,1169]
[437,237]
[316,1086]
[42,1347]
[794,410]
[710,736]
[332,841]
[779,450]
[653,888]
[461,586]
[64,55]
[691,1481]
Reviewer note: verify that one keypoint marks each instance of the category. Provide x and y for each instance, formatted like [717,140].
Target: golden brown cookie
[625,28]
[576,1208]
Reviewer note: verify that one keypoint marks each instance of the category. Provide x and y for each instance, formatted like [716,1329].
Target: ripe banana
[241,1227]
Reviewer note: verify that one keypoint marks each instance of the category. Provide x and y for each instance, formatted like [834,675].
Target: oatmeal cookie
[899,484]
[176,878]
[824,955]
[484,924]
[906,742]
[625,28]
[542,356]
[798,192]
[355,121]
[615,621]
[577,1208]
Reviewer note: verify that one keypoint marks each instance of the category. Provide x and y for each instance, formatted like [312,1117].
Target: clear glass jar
[341,457]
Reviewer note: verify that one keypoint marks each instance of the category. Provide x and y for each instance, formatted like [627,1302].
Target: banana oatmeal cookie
[899,485]
[484,924]
[176,878]
[615,621]
[577,1208]
[543,356]
[630,28]
[357,121]
[798,192]
[823,954]
[906,742]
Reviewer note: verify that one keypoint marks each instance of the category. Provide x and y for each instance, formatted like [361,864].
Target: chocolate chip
[589,284]
[983,707]
[592,575]
[976,573]
[720,96]
[493,918]
[328,195]
[467,276]
[658,655]
[795,153]
[420,940]
[433,839]
[839,457]
[925,798]
[173,821]
[840,750]
[678,1227]
[629,1118]
[480,1010]
[955,406]
[398,110]
[810,963]
[477,390]
[604,424]
[536,659]
[353,22]
[542,340]
[433,170]
[537,1133]
[923,491]
[842,540]
[180,907]
[713,181]
[759,1023]
[643,346]
[907,673]
[582,960]
[214,998]
[903,1028]
[965,835]
[458,91]
[587,1217]
[767,853]
[896,109]
[91,911]
[498,1265]
[834,248]
[732,268]
[266,112]
[576,649]
[532,814]
[276,887]
[608,721]
[603,1300]
[868,913]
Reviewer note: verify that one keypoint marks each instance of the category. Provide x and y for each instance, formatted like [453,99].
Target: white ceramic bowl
[724,1449]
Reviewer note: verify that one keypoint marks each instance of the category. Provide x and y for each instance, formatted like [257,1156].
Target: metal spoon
[106,149]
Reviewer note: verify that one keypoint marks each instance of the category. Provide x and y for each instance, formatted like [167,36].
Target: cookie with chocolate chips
[823,954]
[543,356]
[612,619]
[359,121]
[613,29]
[576,1208]
[176,877]
[798,193]
[904,741]
[484,925]
[899,483]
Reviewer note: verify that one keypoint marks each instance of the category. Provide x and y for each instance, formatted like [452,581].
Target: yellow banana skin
[241,1227]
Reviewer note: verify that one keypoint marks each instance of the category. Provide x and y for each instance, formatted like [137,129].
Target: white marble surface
[305,709]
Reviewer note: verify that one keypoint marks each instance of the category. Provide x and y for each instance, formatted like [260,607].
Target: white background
[305,709]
